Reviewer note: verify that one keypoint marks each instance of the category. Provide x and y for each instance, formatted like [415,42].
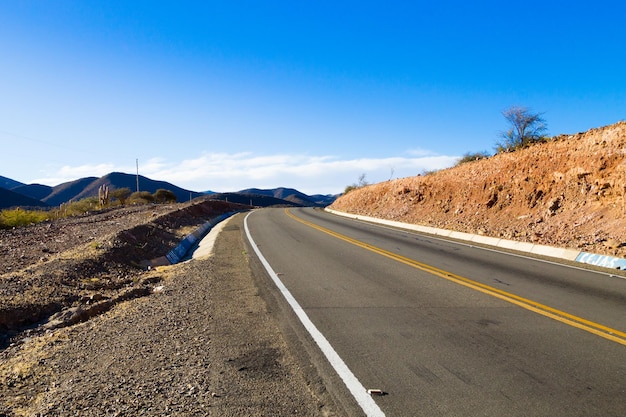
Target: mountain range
[16,194]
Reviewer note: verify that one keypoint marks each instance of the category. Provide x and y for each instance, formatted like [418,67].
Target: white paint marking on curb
[357,390]
[205,247]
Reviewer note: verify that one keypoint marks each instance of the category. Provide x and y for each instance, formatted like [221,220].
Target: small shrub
[19,217]
[164,196]
[76,208]
[121,194]
[473,156]
[361,183]
[350,188]
[141,197]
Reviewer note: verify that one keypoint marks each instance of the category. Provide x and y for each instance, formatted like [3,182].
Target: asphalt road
[447,329]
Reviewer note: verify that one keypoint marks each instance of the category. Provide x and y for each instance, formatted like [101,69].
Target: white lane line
[357,390]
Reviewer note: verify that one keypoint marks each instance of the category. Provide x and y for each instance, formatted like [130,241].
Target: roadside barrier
[180,251]
[553,252]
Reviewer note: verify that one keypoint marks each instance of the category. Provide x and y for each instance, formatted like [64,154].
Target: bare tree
[526,128]
[362,181]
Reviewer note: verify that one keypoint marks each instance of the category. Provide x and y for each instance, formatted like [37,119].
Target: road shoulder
[205,343]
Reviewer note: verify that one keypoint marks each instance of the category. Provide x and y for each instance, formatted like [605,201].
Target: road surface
[447,329]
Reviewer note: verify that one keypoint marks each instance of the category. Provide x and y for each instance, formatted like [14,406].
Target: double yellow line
[569,319]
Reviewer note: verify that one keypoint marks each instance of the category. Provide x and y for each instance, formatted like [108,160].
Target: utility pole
[137,163]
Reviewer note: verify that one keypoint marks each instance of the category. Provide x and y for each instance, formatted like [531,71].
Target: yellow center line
[575,321]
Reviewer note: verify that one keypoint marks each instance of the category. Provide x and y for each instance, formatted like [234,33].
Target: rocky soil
[86,330]
[567,192]
[203,343]
[70,269]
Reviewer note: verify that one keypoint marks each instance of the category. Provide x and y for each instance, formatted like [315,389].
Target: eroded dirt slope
[567,192]
[84,264]
[205,344]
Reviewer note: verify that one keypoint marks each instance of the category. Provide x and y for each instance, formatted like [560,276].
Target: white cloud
[419,152]
[236,171]
[69,173]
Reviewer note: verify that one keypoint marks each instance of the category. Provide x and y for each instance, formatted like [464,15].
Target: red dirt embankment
[566,192]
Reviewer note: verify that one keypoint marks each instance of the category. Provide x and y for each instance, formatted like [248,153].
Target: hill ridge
[569,191]
[43,195]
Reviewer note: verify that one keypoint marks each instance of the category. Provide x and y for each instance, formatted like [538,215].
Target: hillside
[67,191]
[258,200]
[567,192]
[88,187]
[291,195]
[8,183]
[9,199]
[36,191]
[121,180]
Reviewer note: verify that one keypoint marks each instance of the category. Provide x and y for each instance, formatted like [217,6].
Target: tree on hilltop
[526,128]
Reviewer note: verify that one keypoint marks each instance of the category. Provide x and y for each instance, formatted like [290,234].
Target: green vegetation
[472,156]
[76,208]
[121,194]
[164,196]
[18,217]
[140,197]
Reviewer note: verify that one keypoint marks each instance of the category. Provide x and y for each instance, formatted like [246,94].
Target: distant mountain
[291,195]
[88,187]
[67,191]
[38,194]
[257,200]
[324,199]
[8,183]
[36,191]
[9,199]
[116,180]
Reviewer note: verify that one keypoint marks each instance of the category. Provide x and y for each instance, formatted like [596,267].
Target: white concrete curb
[180,251]
[553,252]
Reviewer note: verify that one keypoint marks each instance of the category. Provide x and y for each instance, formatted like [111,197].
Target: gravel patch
[202,344]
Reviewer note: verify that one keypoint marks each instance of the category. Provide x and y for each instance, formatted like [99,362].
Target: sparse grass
[350,188]
[19,217]
[96,245]
[76,208]
[141,197]
[473,156]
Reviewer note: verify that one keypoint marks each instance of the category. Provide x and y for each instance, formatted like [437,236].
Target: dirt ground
[86,330]
[567,192]
[71,266]
[202,343]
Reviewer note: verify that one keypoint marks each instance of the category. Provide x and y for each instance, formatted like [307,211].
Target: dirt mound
[84,264]
[567,192]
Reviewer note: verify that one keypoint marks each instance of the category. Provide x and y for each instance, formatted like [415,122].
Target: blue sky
[224,95]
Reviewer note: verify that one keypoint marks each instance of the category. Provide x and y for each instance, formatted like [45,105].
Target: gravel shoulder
[203,343]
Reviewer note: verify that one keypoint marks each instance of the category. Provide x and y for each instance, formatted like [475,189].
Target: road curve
[440,327]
